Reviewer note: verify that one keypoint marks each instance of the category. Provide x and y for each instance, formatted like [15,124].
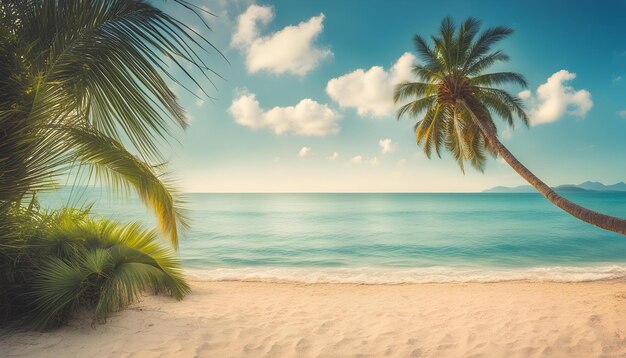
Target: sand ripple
[247,319]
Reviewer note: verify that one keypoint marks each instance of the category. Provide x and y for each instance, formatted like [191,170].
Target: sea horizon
[386,238]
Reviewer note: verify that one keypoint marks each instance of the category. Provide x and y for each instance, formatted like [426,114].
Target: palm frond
[484,62]
[484,43]
[111,266]
[58,289]
[465,36]
[429,130]
[114,165]
[499,79]
[513,103]
[426,54]
[407,89]
[426,74]
[415,107]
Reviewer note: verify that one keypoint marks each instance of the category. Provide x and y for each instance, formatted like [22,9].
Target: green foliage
[84,84]
[452,85]
[64,261]
[79,80]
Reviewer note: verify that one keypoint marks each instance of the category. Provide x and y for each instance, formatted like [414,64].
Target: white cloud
[386,145]
[617,78]
[220,14]
[247,31]
[622,113]
[506,134]
[333,156]
[359,159]
[289,50]
[307,118]
[554,99]
[305,152]
[371,92]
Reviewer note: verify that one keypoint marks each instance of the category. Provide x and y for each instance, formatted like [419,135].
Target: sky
[305,100]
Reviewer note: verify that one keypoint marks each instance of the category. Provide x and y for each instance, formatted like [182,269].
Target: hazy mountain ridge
[582,187]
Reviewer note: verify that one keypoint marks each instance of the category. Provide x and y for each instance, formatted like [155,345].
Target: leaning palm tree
[84,84]
[457,101]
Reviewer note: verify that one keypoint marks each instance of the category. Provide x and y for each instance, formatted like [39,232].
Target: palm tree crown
[452,76]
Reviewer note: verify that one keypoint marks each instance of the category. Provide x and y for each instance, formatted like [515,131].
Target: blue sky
[305,104]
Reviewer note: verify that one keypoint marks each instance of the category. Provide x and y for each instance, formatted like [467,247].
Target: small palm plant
[459,100]
[71,261]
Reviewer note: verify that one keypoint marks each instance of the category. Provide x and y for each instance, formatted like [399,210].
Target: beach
[268,173]
[273,319]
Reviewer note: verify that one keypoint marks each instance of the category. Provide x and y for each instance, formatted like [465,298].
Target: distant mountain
[571,187]
[586,186]
[507,189]
[594,185]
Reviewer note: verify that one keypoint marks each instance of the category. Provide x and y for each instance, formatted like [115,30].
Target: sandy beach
[256,319]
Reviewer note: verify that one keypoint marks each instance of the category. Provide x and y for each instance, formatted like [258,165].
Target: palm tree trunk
[606,222]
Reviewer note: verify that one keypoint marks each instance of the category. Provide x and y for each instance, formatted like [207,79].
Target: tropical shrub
[64,261]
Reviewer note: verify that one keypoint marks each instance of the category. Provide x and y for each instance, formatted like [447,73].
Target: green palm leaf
[110,266]
[114,165]
[102,66]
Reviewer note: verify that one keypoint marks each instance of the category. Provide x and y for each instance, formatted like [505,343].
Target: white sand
[234,319]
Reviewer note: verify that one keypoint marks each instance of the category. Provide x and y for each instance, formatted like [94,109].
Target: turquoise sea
[388,238]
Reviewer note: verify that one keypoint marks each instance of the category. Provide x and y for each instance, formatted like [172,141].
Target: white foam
[368,275]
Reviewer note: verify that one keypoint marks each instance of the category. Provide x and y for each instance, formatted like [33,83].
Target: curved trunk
[606,222]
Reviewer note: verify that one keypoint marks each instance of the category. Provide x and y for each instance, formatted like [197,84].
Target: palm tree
[459,99]
[84,85]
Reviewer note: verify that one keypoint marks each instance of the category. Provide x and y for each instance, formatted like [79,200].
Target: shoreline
[405,275]
[235,318]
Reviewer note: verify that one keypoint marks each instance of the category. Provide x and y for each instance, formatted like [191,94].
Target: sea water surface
[387,238]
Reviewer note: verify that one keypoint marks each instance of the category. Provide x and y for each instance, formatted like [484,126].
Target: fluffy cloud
[359,159]
[304,152]
[247,30]
[506,134]
[554,99]
[371,92]
[386,145]
[333,156]
[307,118]
[622,113]
[290,50]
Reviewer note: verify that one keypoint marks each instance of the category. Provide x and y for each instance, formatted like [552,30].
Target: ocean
[387,238]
